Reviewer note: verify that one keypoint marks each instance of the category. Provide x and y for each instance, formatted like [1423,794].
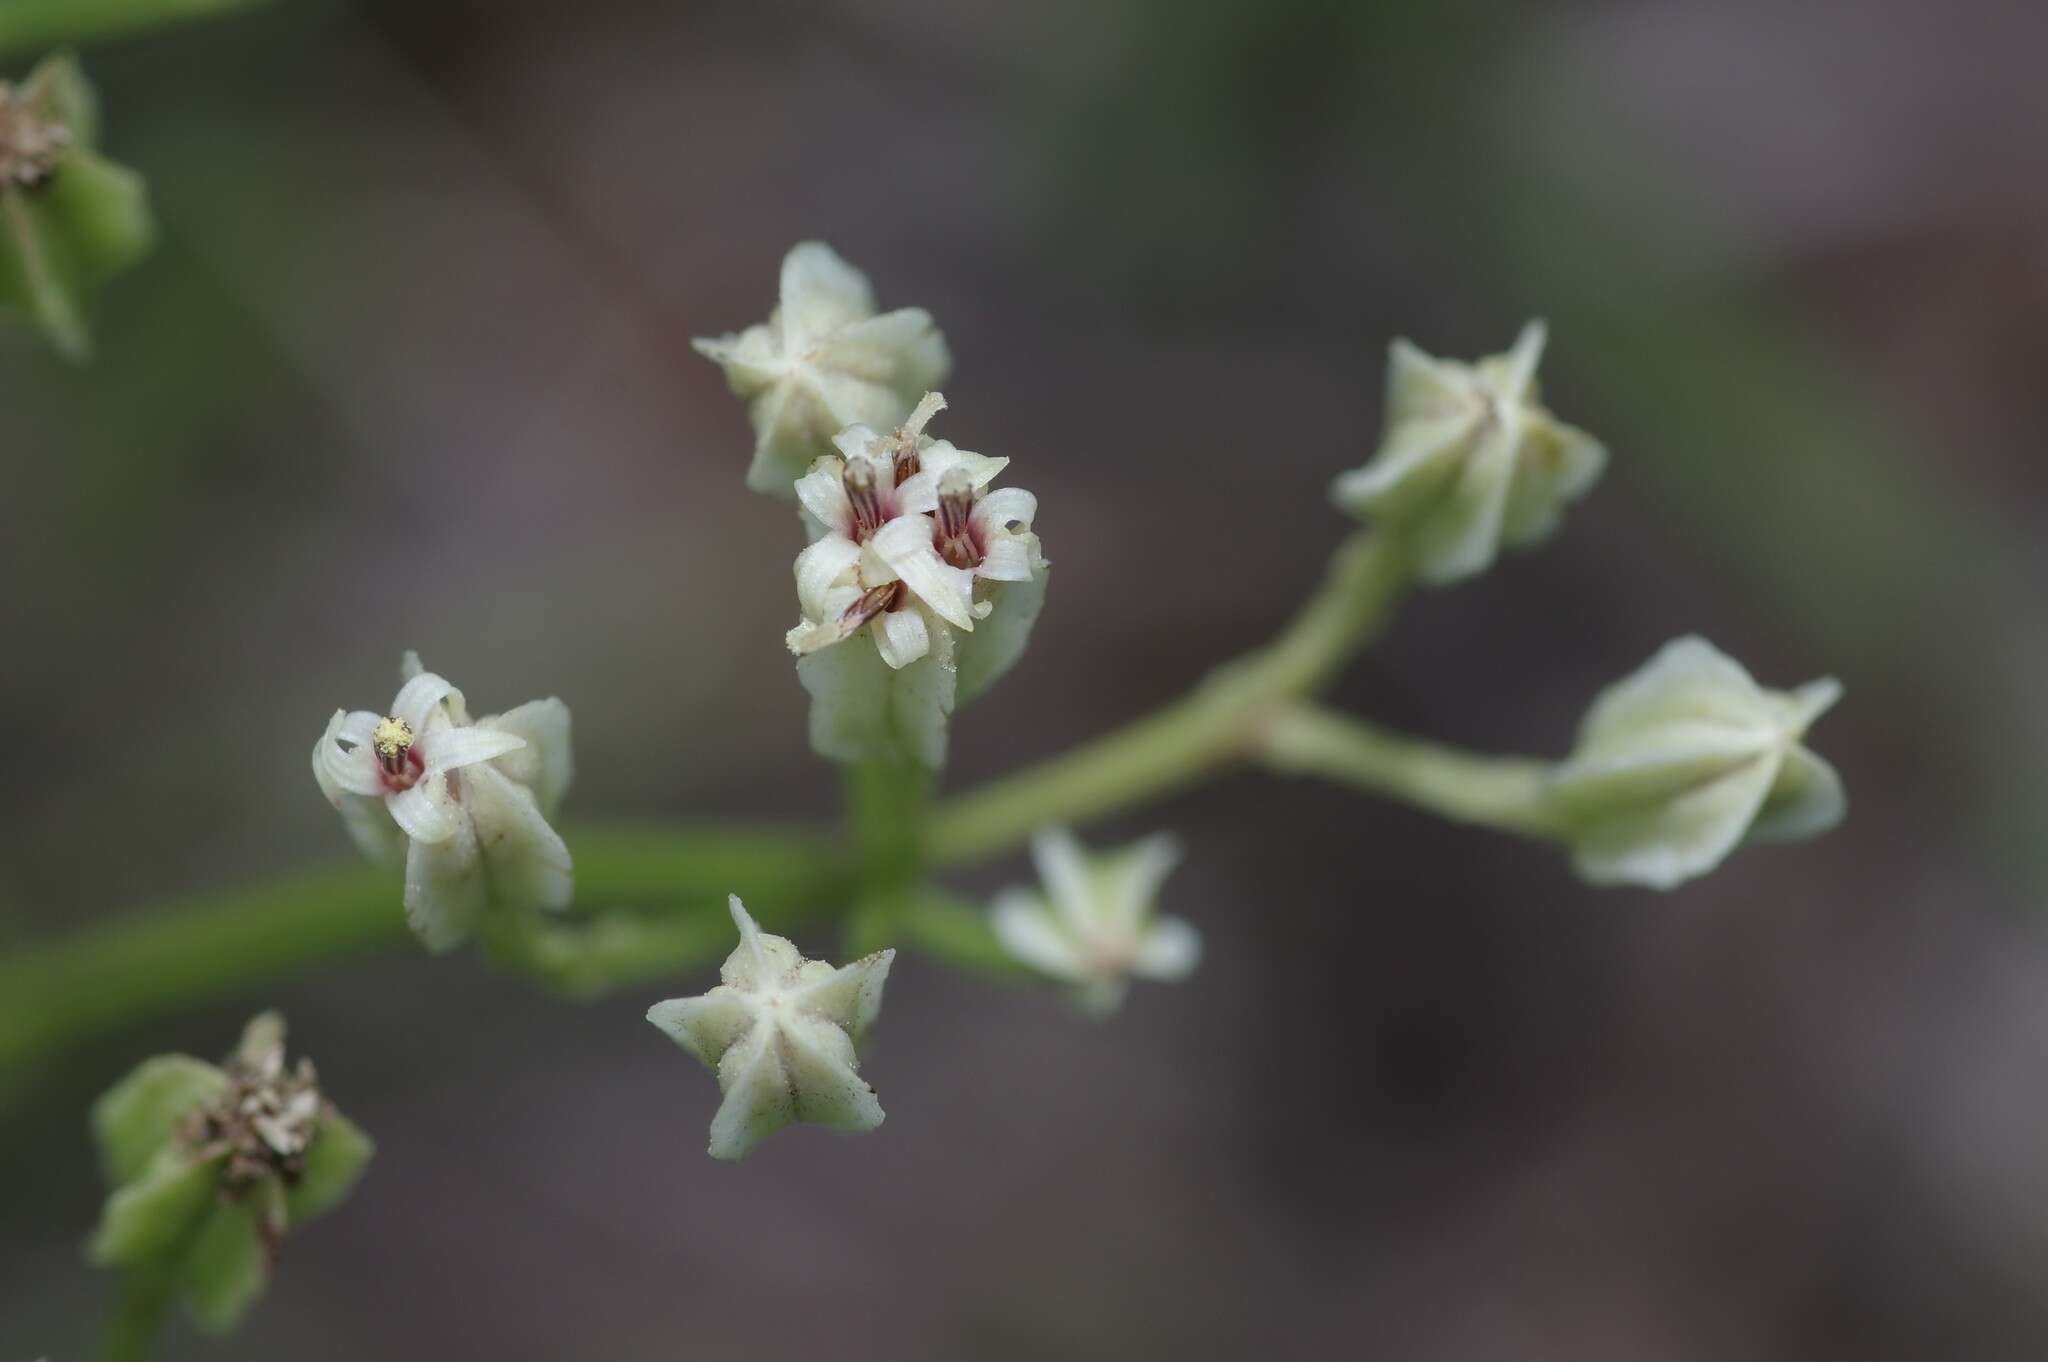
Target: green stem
[143,1300]
[1214,725]
[1509,794]
[219,946]
[33,25]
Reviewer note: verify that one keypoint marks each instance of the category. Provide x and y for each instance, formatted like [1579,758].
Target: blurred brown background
[411,369]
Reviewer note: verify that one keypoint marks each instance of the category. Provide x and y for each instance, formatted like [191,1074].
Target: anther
[865,497]
[953,534]
[393,744]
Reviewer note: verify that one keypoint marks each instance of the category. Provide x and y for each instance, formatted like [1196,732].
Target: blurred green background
[410,368]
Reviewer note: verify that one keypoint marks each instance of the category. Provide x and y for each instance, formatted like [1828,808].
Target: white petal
[444,889]
[417,698]
[1026,929]
[1807,800]
[346,771]
[941,457]
[449,749]
[1006,508]
[918,494]
[901,637]
[546,765]
[1662,844]
[371,829]
[824,1078]
[1063,867]
[820,293]
[850,996]
[905,544]
[758,1101]
[1461,536]
[1688,680]
[822,493]
[427,812]
[820,567]
[1009,558]
[1129,880]
[708,1025]
[1170,950]
[1520,371]
[528,862]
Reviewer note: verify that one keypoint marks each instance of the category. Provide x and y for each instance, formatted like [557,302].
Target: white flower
[465,804]
[1681,762]
[1471,461]
[910,545]
[1093,923]
[824,361]
[779,1032]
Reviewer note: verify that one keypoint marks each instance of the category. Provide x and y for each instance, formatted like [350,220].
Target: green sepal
[135,1119]
[332,1165]
[146,1222]
[227,1264]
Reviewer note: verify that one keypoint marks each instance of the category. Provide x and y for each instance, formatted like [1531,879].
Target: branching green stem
[1214,725]
[1509,794]
[219,946]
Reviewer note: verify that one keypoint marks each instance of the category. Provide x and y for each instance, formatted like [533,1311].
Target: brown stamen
[864,495]
[953,532]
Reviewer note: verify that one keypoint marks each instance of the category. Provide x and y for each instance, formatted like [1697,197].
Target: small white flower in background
[465,804]
[1093,922]
[780,1032]
[1681,762]
[824,361]
[1470,461]
[913,552]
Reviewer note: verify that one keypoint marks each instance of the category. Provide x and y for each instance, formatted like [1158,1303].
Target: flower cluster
[212,1165]
[780,1031]
[1686,759]
[465,804]
[918,590]
[1471,461]
[1093,923]
[824,361]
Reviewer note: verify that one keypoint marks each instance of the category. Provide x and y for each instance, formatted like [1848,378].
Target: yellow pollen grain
[393,738]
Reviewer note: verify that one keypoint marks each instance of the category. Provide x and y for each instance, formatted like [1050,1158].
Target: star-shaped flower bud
[466,805]
[212,1165]
[780,1033]
[824,361]
[1471,461]
[919,588]
[1681,762]
[1093,923]
[69,219]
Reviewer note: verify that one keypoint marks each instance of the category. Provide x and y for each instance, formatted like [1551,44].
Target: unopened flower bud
[1685,760]
[1471,461]
[780,1032]
[824,361]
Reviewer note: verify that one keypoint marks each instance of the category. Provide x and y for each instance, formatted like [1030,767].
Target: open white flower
[780,1032]
[1471,461]
[465,804]
[914,552]
[824,361]
[1686,759]
[1093,923]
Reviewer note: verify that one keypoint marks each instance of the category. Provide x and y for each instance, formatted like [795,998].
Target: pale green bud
[212,1166]
[780,1032]
[1687,759]
[824,360]
[1470,461]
